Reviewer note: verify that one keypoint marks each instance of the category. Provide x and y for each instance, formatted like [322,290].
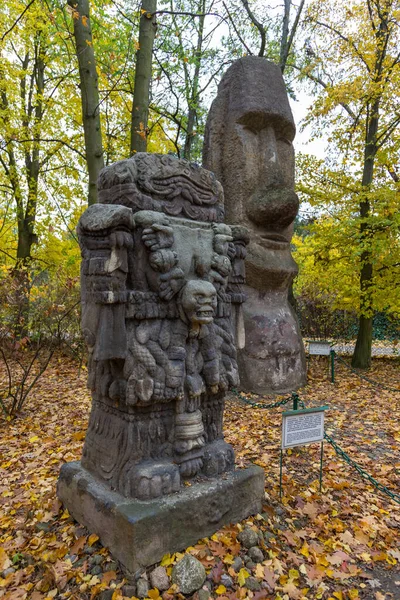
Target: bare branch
[323,84]
[345,39]
[236,30]
[257,24]
[386,133]
[393,174]
[47,140]
[285,55]
[371,15]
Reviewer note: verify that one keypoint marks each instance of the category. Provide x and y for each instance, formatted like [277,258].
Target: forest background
[83,84]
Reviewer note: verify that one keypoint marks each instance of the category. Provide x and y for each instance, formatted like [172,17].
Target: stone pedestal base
[139,533]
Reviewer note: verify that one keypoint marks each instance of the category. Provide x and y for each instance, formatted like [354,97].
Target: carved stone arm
[105,236]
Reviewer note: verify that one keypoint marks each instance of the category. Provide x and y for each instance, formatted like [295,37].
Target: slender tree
[33,76]
[193,89]
[89,92]
[359,74]
[188,66]
[270,34]
[143,76]
[288,32]
[38,142]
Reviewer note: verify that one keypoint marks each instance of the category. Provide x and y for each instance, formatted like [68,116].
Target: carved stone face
[268,174]
[248,144]
[199,301]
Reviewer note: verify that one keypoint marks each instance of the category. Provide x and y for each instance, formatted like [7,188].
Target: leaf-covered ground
[343,543]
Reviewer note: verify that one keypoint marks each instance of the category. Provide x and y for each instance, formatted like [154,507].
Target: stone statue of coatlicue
[161,285]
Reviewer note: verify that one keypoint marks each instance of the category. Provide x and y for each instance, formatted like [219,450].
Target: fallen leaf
[242,576]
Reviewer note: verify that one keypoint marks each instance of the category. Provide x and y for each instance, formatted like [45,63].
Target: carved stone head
[248,145]
[163,183]
[199,302]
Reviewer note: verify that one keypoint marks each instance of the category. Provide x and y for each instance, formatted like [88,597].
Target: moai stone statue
[157,319]
[248,145]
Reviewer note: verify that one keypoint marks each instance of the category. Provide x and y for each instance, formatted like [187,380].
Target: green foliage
[43,175]
[40,312]
[329,248]
[187,67]
[353,65]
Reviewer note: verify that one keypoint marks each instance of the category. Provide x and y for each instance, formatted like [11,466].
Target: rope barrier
[339,451]
[261,404]
[361,376]
[362,472]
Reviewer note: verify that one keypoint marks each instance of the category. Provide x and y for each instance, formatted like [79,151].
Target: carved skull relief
[198,302]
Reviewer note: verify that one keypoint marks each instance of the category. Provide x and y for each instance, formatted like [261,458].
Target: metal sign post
[332,366]
[299,428]
[323,348]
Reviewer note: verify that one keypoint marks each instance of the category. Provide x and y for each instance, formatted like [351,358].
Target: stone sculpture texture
[161,275]
[248,145]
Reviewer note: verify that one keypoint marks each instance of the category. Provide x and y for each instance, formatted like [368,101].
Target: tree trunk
[193,100]
[286,39]
[187,149]
[89,94]
[143,72]
[284,50]
[27,217]
[362,352]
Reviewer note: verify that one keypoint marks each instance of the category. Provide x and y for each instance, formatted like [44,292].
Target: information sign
[319,348]
[300,427]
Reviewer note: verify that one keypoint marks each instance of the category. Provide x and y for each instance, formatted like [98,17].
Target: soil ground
[339,544]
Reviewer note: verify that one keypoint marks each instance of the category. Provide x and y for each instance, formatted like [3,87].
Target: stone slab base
[138,533]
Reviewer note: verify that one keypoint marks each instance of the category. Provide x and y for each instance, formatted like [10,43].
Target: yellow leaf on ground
[242,576]
[92,539]
[221,589]
[322,561]
[5,562]
[304,550]
[228,559]
[259,571]
[166,560]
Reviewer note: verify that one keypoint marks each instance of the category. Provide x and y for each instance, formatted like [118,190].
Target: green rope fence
[364,377]
[339,451]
